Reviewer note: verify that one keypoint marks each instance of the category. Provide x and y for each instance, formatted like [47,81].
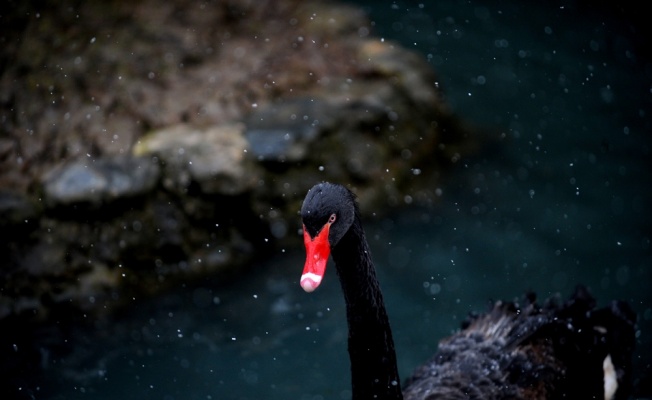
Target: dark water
[563,198]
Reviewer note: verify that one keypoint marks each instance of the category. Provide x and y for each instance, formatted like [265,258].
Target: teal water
[562,198]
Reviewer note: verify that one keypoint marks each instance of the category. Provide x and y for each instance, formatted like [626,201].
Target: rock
[283,131]
[100,181]
[156,152]
[407,68]
[215,158]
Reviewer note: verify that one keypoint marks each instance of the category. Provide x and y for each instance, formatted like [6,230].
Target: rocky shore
[146,142]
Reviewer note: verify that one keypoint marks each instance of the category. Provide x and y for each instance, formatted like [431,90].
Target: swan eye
[332,218]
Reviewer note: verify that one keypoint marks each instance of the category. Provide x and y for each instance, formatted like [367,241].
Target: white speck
[610,378]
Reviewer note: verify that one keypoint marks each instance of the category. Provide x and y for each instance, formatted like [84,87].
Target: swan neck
[374,372]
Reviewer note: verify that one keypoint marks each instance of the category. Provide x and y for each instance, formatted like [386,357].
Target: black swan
[570,350]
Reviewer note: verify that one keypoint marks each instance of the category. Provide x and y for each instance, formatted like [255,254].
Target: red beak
[317,252]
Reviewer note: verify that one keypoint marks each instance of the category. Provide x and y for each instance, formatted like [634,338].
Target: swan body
[556,350]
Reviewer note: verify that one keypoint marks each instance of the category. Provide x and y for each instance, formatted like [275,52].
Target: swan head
[327,213]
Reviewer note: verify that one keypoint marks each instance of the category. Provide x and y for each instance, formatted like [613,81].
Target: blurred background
[154,159]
